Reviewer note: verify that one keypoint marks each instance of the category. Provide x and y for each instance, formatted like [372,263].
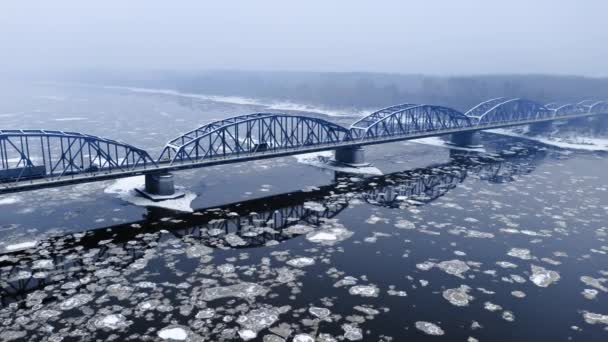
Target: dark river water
[509,244]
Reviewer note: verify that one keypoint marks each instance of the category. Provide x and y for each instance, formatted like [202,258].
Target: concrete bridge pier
[160,187]
[351,156]
[464,139]
[541,127]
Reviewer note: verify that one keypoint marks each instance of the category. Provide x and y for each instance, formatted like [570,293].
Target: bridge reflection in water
[70,258]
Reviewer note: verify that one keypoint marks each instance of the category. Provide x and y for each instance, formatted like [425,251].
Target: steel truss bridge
[255,222]
[34,159]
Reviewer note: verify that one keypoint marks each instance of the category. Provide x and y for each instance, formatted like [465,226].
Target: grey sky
[426,36]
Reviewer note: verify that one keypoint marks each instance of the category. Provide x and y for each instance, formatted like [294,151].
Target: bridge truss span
[413,120]
[513,111]
[250,134]
[29,154]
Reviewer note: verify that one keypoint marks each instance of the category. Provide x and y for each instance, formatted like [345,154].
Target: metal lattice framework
[412,120]
[570,109]
[512,111]
[586,102]
[253,133]
[372,118]
[599,107]
[26,154]
[483,107]
[553,105]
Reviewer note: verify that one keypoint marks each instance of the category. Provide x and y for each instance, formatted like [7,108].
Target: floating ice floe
[303,338]
[405,224]
[173,333]
[364,290]
[256,320]
[112,322]
[593,282]
[454,267]
[329,236]
[241,290]
[321,313]
[458,296]
[437,141]
[520,253]
[125,189]
[352,332]
[21,246]
[595,318]
[590,293]
[9,200]
[543,277]
[301,262]
[429,328]
[75,301]
[323,160]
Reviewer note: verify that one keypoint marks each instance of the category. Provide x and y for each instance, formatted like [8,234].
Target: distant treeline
[366,90]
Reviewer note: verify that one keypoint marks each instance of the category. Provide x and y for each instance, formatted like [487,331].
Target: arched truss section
[553,105]
[599,107]
[26,154]
[512,111]
[485,106]
[412,120]
[570,109]
[586,102]
[251,134]
[372,118]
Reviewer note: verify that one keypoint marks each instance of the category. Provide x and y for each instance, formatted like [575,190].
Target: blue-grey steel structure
[32,159]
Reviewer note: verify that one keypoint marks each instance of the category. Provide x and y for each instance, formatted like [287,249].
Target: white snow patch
[324,160]
[175,333]
[437,141]
[582,143]
[21,245]
[125,189]
[9,200]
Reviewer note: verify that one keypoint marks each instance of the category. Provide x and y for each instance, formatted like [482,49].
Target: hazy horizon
[440,38]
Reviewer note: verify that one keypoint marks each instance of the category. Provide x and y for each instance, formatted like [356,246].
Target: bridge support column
[541,127]
[160,187]
[464,139]
[351,155]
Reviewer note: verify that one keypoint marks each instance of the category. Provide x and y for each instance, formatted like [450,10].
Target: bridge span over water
[34,159]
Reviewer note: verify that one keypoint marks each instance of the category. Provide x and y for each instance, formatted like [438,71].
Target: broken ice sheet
[458,296]
[429,328]
[543,277]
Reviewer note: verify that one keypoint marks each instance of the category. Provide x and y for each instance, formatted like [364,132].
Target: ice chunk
[543,277]
[175,333]
[241,290]
[364,290]
[429,328]
[301,262]
[458,296]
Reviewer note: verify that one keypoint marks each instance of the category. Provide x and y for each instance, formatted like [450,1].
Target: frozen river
[500,244]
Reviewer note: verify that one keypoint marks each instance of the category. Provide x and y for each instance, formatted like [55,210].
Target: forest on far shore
[361,90]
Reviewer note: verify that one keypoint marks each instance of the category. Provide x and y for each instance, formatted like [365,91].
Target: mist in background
[336,53]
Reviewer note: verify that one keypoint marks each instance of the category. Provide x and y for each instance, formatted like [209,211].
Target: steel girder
[599,107]
[586,102]
[513,110]
[253,133]
[372,118]
[411,120]
[32,153]
[483,107]
[570,109]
